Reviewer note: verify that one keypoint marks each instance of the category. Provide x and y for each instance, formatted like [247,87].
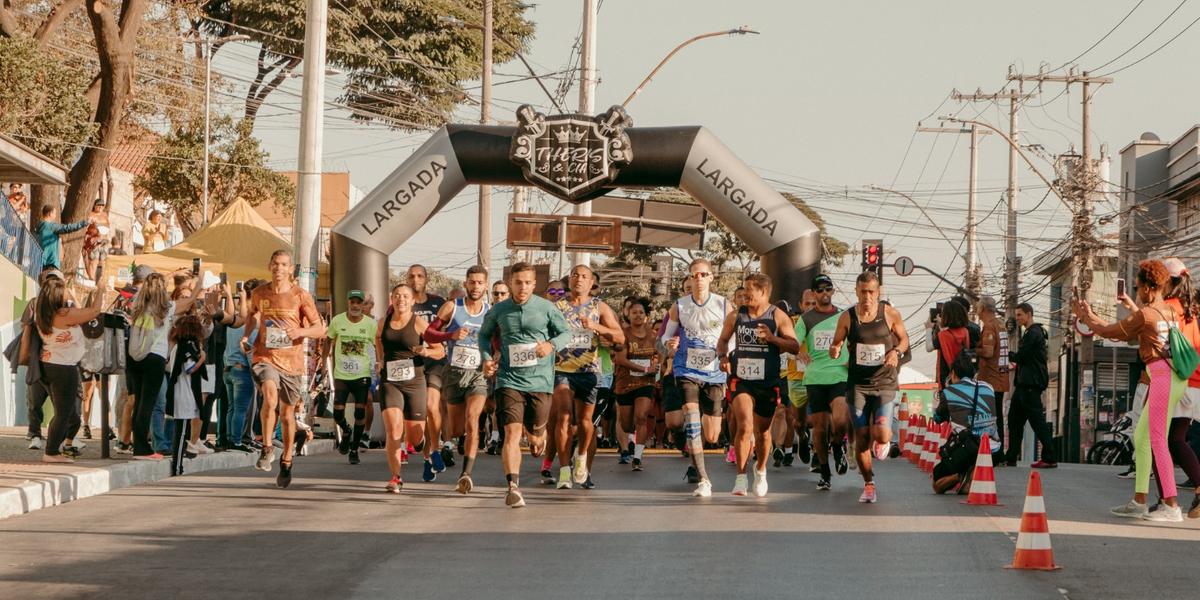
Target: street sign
[904,266]
[653,222]
[545,232]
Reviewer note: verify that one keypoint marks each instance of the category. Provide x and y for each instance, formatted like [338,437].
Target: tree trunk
[115,43]
[8,21]
[45,32]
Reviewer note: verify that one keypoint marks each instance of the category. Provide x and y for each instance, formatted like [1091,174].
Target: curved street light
[743,30]
[1017,147]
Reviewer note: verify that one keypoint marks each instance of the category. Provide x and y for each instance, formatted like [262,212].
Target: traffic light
[872,257]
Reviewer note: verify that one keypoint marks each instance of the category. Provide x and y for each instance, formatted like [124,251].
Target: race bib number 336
[522,355]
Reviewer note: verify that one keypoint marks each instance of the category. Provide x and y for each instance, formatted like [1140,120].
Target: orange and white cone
[903,418]
[983,480]
[931,431]
[1033,540]
[910,438]
[918,441]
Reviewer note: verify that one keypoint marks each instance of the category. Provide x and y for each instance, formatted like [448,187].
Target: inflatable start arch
[574,157]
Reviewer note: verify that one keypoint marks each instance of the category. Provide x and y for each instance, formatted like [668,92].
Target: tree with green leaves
[42,100]
[404,61]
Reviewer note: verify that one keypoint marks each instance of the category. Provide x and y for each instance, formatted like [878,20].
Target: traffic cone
[927,446]
[912,436]
[918,441]
[983,480]
[1033,540]
[903,418]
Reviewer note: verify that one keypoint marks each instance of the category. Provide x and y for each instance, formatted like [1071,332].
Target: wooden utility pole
[1084,180]
[484,250]
[1011,262]
[972,271]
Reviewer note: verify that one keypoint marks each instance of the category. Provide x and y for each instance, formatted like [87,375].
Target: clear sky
[825,102]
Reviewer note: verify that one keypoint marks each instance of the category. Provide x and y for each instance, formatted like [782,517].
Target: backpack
[1184,359]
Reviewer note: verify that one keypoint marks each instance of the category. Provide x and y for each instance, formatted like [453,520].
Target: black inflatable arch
[689,158]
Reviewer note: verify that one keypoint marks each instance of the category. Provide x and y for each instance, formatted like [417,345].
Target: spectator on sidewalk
[48,232]
[967,403]
[992,351]
[19,201]
[154,233]
[1033,377]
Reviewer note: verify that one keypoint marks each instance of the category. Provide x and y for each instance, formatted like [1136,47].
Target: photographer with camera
[969,405]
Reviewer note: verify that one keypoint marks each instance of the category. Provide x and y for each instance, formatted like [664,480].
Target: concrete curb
[27,487]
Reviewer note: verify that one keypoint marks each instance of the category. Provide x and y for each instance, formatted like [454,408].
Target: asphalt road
[335,533]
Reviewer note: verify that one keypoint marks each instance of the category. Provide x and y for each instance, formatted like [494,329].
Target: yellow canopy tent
[238,242]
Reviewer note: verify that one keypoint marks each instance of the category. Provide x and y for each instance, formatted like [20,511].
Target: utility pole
[972,275]
[587,100]
[484,254]
[519,206]
[1083,178]
[312,125]
[1011,262]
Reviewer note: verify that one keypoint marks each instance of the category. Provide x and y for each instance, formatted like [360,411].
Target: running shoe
[777,455]
[815,465]
[1129,473]
[285,475]
[741,485]
[354,457]
[123,448]
[435,457]
[637,464]
[1044,464]
[624,458]
[344,447]
[894,451]
[513,498]
[760,483]
[395,485]
[71,451]
[589,484]
[35,443]
[881,451]
[803,449]
[57,458]
[1130,510]
[265,458]
[580,469]
[730,455]
[428,474]
[547,476]
[448,456]
[868,495]
[87,432]
[465,485]
[788,458]
[839,457]
[823,485]
[692,476]
[703,489]
[403,456]
[1194,511]
[493,448]
[564,478]
[1165,514]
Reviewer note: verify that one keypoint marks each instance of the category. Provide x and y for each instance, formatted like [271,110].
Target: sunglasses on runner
[701,274]
[824,288]
[499,294]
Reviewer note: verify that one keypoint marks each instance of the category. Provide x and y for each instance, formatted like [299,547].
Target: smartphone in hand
[196,266]
[1120,288]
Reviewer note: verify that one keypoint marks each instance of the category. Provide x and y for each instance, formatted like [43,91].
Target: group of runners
[541,365]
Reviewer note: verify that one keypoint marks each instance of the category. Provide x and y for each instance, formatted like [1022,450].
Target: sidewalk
[27,484]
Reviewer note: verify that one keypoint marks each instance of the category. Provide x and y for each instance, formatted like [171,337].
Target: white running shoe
[760,483]
[580,469]
[740,485]
[1165,514]
[703,489]
[1131,510]
[513,498]
[564,478]
[35,443]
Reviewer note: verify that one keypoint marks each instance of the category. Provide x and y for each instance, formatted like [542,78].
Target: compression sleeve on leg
[692,429]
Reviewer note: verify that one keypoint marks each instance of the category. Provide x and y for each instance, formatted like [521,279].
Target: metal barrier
[17,243]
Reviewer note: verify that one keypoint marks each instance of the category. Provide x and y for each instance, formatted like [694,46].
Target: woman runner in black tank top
[402,380]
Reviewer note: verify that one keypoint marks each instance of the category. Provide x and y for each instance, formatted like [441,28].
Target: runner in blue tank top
[697,320]
[762,332]
[464,387]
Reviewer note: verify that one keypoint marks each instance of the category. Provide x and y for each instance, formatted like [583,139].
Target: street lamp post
[743,30]
[207,50]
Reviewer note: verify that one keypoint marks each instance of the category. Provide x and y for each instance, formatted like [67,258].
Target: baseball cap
[353,294]
[821,279]
[48,273]
[1175,267]
[141,273]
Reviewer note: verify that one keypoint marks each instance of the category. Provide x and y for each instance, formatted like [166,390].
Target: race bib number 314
[751,369]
